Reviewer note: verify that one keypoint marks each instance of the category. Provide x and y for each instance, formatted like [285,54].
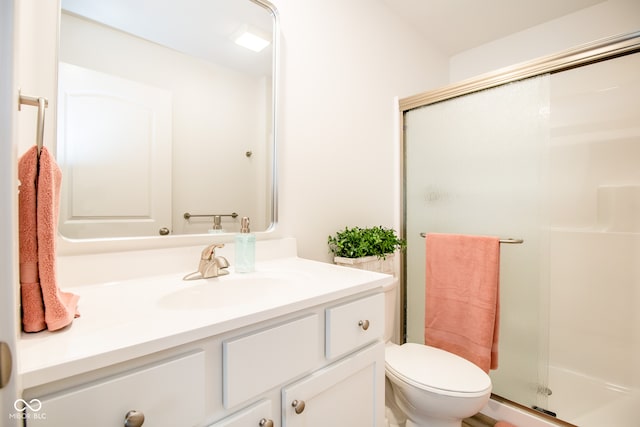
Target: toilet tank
[390,309]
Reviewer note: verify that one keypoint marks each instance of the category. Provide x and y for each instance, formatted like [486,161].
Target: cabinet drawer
[251,416]
[354,324]
[170,393]
[260,361]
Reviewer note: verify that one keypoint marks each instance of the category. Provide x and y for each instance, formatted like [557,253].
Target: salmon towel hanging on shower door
[462,296]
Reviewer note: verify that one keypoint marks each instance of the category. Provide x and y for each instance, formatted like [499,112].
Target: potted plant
[370,248]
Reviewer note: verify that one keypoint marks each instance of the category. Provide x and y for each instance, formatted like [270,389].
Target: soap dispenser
[245,243]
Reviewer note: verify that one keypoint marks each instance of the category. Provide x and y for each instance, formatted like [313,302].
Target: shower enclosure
[547,152]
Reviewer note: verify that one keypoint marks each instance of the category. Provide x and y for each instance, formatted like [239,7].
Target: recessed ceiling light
[251,38]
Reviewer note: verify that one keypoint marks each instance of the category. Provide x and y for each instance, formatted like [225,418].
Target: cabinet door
[348,393]
[257,415]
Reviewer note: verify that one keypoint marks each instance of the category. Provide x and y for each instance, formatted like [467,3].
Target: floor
[478,420]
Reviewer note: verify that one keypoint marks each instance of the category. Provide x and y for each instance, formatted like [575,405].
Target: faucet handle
[210,251]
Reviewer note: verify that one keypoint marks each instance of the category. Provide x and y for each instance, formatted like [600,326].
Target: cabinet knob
[364,324]
[265,423]
[133,419]
[298,406]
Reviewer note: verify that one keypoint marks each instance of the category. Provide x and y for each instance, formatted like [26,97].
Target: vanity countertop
[124,319]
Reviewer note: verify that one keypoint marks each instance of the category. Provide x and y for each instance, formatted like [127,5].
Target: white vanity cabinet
[295,360]
[343,357]
[349,391]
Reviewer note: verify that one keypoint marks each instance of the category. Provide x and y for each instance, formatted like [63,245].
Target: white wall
[342,64]
[604,19]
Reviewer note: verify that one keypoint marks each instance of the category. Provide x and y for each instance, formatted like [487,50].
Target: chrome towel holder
[41,103]
[508,240]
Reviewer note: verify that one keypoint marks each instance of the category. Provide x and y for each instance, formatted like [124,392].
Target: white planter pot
[371,263]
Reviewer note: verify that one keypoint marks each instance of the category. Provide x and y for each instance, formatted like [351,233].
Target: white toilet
[431,387]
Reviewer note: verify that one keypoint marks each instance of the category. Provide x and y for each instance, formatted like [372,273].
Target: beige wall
[342,64]
[604,19]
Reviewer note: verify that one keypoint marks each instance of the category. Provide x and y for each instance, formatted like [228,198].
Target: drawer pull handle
[364,324]
[134,419]
[298,406]
[266,423]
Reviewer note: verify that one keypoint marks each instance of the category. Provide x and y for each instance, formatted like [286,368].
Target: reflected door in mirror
[114,149]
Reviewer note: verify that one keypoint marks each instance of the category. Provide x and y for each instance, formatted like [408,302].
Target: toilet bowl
[430,386]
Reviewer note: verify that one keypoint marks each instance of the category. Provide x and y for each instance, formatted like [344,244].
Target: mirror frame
[69,246]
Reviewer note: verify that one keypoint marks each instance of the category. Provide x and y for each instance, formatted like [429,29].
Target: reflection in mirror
[162,114]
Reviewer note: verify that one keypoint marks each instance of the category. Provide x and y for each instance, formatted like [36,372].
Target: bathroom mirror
[165,125]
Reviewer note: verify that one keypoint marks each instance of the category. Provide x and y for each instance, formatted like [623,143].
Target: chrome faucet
[210,264]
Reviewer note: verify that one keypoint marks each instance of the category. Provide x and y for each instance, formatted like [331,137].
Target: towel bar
[509,240]
[41,103]
[187,215]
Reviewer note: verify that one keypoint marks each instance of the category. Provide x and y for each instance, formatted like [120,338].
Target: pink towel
[462,296]
[504,424]
[31,294]
[44,305]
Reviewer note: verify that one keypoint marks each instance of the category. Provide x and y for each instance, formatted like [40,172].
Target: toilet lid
[434,368]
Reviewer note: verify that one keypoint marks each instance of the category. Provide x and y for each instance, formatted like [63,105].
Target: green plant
[359,242]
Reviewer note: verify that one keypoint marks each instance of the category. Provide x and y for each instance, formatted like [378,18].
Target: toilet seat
[436,370]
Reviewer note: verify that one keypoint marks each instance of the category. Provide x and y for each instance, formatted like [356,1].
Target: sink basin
[234,290]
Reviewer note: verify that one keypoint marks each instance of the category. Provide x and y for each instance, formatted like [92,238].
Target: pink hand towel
[504,424]
[462,296]
[60,308]
[31,294]
[43,303]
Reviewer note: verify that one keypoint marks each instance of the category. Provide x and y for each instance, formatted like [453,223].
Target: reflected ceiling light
[251,38]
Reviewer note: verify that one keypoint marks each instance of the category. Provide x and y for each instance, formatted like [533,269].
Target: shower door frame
[590,53]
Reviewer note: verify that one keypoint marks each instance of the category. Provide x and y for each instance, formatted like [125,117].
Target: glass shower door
[477,165]
[594,251]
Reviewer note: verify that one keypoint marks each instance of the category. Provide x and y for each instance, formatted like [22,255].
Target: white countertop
[124,319]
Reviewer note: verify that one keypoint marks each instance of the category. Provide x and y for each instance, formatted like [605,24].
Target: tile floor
[478,420]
